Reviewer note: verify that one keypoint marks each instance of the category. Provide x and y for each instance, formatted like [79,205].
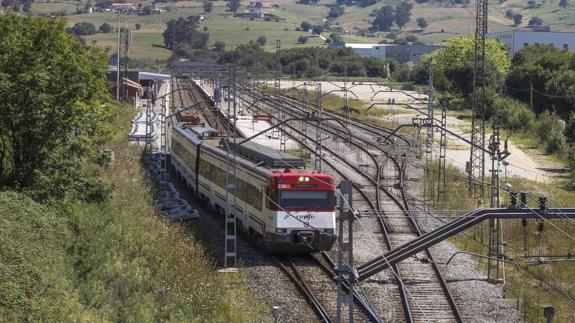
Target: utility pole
[318,145]
[441,174]
[345,251]
[495,231]
[430,98]
[118,61]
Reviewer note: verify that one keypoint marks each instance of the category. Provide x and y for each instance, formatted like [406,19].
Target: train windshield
[306,200]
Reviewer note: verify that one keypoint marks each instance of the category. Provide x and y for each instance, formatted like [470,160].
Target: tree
[509,14]
[53,113]
[535,21]
[262,40]
[305,26]
[403,14]
[517,19]
[219,46]
[563,3]
[183,31]
[105,28]
[384,19]
[421,22]
[83,29]
[234,5]
[317,29]
[453,64]
[146,11]
[138,26]
[302,39]
[208,6]
[548,70]
[411,38]
[336,11]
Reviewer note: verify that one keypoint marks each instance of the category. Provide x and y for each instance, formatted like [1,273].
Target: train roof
[266,156]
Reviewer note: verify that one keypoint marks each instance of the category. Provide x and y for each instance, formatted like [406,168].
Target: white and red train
[287,210]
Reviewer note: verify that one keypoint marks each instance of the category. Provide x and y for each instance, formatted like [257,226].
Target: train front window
[305,200]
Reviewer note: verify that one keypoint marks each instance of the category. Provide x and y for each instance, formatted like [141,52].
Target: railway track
[422,288]
[316,280]
[210,115]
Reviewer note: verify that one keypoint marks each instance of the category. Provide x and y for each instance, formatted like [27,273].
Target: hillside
[444,20]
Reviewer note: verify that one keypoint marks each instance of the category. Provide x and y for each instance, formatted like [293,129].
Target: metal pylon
[476,166]
[303,122]
[318,145]
[230,248]
[441,177]
[345,251]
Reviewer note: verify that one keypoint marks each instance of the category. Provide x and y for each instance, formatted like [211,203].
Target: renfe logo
[305,217]
[283,186]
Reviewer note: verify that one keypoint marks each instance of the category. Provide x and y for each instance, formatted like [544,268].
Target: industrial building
[517,39]
[402,53]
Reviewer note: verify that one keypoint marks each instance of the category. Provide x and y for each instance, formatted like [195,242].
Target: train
[278,203]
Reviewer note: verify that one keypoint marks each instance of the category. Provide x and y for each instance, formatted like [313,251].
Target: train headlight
[306,179]
[281,230]
[301,178]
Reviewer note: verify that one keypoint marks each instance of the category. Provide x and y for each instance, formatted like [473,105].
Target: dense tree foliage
[403,14]
[83,29]
[233,5]
[208,6]
[551,73]
[305,26]
[383,19]
[53,110]
[453,64]
[181,34]
[535,21]
[421,22]
[309,62]
[106,28]
[517,19]
[336,11]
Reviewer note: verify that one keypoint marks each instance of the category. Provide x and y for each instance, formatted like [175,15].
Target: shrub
[106,28]
[516,116]
[550,132]
[411,38]
[262,40]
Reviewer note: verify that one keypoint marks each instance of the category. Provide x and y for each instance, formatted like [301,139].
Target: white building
[368,50]
[402,53]
[517,39]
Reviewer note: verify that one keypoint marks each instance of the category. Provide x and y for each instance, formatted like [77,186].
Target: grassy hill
[444,20]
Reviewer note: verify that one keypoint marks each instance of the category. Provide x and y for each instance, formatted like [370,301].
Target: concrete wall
[413,53]
[517,39]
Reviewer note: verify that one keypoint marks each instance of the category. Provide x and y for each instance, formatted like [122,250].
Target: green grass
[529,290]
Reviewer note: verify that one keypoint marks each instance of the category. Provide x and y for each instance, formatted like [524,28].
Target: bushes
[516,116]
[111,261]
[550,132]
[35,282]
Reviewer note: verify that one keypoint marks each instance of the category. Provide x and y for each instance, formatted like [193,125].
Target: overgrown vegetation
[534,286]
[67,253]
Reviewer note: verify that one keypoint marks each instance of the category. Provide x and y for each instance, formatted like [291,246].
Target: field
[444,22]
